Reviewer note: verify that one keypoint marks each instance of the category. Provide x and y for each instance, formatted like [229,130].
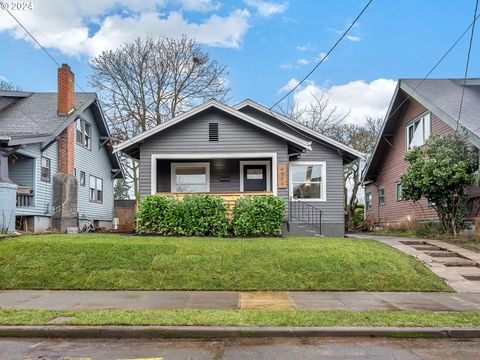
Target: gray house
[57,165]
[242,150]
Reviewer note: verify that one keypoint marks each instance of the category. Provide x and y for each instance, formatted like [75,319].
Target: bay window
[307,180]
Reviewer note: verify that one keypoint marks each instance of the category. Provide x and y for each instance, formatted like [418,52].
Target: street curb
[220,332]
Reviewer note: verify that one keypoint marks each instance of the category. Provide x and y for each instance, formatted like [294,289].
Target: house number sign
[282,176]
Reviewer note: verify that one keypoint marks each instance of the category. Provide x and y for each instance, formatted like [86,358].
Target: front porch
[230,175]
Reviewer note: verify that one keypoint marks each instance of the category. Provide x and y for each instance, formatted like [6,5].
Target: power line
[445,54]
[467,63]
[323,57]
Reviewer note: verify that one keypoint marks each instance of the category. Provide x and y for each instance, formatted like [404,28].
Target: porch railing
[25,200]
[302,212]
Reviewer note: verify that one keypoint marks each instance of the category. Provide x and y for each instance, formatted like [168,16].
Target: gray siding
[42,190]
[94,161]
[191,136]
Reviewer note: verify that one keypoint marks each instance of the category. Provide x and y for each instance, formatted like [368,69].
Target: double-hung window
[398,189]
[381,196]
[419,131]
[368,201]
[190,177]
[46,169]
[307,180]
[96,189]
[83,132]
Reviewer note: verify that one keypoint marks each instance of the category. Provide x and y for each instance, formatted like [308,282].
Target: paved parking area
[459,267]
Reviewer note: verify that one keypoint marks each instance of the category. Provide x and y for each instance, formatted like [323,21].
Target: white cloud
[306,47]
[303,61]
[267,8]
[353,38]
[322,55]
[286,66]
[289,85]
[199,5]
[66,27]
[359,98]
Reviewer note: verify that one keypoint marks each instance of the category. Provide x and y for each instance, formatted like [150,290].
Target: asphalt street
[279,349]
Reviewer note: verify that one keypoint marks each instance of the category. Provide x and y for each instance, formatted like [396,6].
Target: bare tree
[148,81]
[321,116]
[6,85]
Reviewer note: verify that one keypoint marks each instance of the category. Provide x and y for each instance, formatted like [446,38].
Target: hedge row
[207,215]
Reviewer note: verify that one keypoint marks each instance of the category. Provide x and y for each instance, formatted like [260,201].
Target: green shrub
[430,229]
[194,215]
[258,215]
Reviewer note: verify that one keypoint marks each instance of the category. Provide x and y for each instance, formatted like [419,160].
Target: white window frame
[368,207]
[255,162]
[49,169]
[427,129]
[323,164]
[90,176]
[81,140]
[173,169]
[204,156]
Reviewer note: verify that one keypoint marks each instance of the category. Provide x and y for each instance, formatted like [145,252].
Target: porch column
[8,198]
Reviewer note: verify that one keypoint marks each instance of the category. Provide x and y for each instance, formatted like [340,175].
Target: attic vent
[213,132]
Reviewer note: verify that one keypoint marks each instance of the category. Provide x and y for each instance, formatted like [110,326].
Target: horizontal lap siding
[94,162]
[191,136]
[394,166]
[332,209]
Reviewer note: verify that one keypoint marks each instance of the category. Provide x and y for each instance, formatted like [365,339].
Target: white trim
[267,163]
[173,169]
[216,104]
[167,156]
[299,126]
[323,164]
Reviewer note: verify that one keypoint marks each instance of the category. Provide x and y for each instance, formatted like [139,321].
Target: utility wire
[445,54]
[323,57]
[467,63]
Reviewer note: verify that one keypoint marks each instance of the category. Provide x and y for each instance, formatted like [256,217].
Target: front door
[255,178]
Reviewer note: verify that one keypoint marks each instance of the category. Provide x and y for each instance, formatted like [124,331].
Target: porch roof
[129,145]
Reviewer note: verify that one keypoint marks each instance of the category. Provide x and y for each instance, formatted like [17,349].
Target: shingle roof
[36,114]
[446,95]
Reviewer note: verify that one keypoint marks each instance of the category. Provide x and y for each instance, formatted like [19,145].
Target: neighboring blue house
[56,149]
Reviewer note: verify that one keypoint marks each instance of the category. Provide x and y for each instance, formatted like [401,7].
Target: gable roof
[29,118]
[124,146]
[350,153]
[441,97]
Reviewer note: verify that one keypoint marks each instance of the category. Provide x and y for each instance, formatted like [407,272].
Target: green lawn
[189,317]
[114,262]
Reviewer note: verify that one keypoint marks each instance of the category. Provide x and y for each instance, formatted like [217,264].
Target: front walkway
[314,300]
[459,267]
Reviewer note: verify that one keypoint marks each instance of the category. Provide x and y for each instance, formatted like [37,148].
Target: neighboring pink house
[418,109]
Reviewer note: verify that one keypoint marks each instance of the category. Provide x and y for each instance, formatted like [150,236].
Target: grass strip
[192,317]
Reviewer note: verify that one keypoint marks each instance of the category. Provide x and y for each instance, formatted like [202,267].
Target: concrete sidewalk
[315,300]
[458,267]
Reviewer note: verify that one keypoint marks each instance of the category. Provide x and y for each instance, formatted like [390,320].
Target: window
[368,201]
[213,132]
[190,177]
[82,178]
[96,189]
[399,191]
[418,131]
[381,196]
[308,181]
[83,130]
[45,170]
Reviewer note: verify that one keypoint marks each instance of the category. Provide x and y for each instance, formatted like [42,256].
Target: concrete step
[426,247]
[455,261]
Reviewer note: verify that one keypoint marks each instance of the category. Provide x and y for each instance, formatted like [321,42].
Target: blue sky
[266,45]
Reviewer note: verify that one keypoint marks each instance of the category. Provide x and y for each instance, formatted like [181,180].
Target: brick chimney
[65,90]
[66,141]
